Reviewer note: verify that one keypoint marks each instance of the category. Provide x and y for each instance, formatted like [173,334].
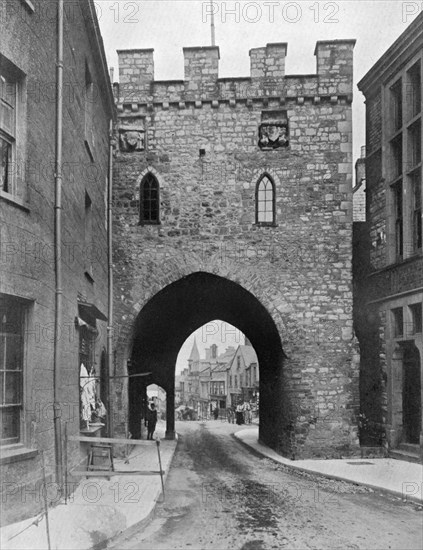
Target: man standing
[151,420]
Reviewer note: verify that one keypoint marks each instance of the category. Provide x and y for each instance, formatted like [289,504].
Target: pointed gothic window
[265,201]
[149,200]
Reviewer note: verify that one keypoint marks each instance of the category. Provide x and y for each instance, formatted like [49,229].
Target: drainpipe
[58,242]
[110,300]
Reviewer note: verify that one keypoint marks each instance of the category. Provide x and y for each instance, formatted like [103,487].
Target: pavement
[101,508]
[403,479]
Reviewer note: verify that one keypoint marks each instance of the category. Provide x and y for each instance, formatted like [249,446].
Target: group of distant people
[241,414]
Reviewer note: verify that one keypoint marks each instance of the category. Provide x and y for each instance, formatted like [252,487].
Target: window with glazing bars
[414,90]
[265,201]
[399,240]
[414,144]
[12,318]
[417,209]
[416,315]
[398,321]
[149,200]
[396,157]
[8,89]
[396,105]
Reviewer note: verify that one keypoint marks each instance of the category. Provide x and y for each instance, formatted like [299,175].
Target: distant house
[179,388]
[218,385]
[359,190]
[243,375]
[203,385]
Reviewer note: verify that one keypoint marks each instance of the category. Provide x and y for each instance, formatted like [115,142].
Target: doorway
[411,394]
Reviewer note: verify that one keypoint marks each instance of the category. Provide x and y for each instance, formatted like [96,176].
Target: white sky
[169,25]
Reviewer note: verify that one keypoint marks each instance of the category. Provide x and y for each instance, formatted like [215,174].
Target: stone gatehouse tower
[233,201]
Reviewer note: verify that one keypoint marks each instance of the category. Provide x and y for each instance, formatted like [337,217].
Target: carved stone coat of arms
[131,137]
[273,136]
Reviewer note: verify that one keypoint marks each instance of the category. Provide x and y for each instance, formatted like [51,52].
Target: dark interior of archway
[177,311]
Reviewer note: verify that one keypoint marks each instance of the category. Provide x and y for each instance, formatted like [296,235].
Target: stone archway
[165,322]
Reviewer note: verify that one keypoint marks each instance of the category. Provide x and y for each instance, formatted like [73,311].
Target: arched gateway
[174,313]
[304,404]
[233,201]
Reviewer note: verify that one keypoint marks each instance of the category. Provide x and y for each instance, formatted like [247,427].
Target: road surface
[222,496]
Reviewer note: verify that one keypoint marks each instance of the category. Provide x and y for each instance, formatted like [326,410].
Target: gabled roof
[248,353]
[227,355]
[204,371]
[220,367]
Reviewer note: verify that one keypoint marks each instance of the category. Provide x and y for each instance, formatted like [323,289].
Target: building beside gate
[390,291]
[233,201]
[40,395]
[243,376]
[359,189]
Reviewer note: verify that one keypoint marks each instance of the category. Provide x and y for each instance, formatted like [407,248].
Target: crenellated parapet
[332,82]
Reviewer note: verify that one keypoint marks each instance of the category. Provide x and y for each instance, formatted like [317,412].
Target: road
[221,496]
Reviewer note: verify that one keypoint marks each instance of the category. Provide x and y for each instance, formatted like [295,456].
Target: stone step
[399,454]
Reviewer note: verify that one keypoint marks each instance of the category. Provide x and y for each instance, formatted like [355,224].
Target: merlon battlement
[334,70]
[269,61]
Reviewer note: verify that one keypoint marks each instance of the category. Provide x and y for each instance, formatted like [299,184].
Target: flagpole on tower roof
[213,30]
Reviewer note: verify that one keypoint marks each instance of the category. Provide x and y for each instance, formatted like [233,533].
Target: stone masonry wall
[375,185]
[300,268]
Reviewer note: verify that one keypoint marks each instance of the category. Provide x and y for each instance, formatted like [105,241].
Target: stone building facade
[204,381]
[359,189]
[243,376]
[28,55]
[389,319]
[233,201]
